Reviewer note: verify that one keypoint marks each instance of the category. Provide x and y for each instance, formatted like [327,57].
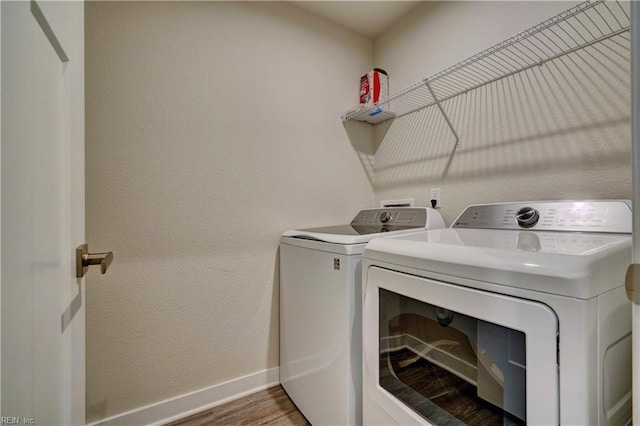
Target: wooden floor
[268,407]
[437,394]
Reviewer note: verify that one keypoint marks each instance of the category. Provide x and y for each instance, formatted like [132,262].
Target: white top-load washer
[320,315]
[516,314]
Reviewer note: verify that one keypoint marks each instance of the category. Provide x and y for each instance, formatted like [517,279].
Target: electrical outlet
[437,196]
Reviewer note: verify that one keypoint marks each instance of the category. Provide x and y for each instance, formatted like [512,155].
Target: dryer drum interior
[446,364]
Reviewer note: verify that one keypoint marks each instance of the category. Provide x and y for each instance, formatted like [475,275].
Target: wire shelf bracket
[443,112]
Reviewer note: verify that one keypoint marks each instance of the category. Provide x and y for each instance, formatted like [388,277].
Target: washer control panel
[410,217]
[580,216]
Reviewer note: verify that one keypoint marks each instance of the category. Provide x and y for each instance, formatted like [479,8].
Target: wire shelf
[583,25]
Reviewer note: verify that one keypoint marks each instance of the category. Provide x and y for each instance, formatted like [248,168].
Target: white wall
[560,131]
[212,127]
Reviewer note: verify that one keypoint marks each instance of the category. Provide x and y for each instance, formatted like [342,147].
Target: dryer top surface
[580,265]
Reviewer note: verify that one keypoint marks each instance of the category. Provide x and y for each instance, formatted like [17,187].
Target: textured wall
[560,131]
[211,128]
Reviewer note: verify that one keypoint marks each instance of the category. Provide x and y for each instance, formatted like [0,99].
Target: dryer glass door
[453,354]
[443,363]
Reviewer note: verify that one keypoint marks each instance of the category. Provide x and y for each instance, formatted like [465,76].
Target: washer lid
[373,223]
[347,234]
[580,265]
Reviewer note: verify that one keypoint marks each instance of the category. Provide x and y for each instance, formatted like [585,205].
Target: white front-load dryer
[320,315]
[516,314]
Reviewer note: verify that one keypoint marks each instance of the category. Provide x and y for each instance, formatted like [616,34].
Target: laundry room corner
[320,212]
[559,130]
[205,140]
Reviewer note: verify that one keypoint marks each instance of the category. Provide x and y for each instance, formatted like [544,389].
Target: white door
[635,135]
[42,148]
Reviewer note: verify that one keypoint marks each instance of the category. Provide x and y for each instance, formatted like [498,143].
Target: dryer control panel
[609,216]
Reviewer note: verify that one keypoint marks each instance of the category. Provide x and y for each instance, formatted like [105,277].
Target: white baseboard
[193,402]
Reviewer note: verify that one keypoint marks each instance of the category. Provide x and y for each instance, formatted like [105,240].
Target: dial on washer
[385,217]
[527,217]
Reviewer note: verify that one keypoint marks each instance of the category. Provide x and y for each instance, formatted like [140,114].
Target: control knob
[527,217]
[385,217]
